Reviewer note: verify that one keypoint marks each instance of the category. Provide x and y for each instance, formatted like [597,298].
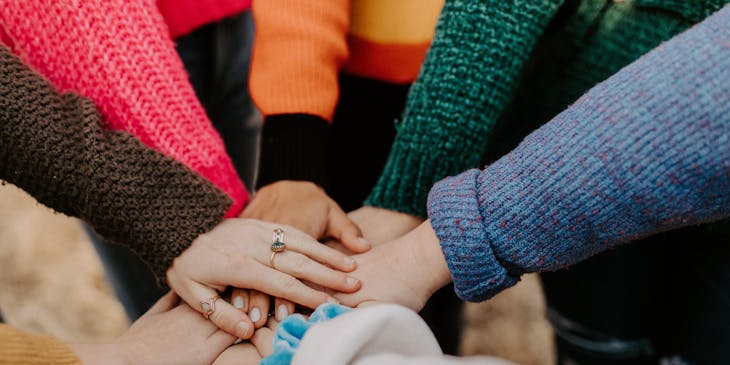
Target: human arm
[297,96]
[119,54]
[53,146]
[643,152]
[465,82]
[167,334]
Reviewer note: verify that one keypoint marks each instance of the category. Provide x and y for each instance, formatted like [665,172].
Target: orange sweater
[301,46]
[20,348]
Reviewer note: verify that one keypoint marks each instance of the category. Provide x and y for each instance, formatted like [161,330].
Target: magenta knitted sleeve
[119,54]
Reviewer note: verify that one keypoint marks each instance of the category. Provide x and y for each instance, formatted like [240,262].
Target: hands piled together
[371,254]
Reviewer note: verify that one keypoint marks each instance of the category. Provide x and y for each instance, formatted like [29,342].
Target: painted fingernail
[238,302]
[351,282]
[281,312]
[333,300]
[364,241]
[255,315]
[243,329]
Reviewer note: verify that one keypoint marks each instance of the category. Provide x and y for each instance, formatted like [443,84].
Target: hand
[167,334]
[381,225]
[237,252]
[305,206]
[251,352]
[406,271]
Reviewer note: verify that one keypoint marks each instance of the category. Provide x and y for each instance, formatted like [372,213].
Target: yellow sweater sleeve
[21,348]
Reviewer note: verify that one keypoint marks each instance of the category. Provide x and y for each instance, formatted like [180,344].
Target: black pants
[665,300]
[364,121]
[216,58]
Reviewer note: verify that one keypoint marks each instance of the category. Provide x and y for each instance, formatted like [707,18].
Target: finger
[302,267]
[306,245]
[342,228]
[224,315]
[164,304]
[282,309]
[240,299]
[275,283]
[259,308]
[263,341]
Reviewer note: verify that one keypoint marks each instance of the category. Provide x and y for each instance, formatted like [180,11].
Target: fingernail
[243,329]
[351,282]
[255,315]
[364,241]
[281,313]
[349,261]
[238,302]
[333,300]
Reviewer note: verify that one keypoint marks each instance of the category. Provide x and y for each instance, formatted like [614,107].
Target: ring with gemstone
[278,244]
[208,306]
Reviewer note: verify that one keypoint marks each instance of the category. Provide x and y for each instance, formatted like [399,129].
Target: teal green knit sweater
[479,54]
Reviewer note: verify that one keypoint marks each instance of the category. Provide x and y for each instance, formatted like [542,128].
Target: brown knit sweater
[53,146]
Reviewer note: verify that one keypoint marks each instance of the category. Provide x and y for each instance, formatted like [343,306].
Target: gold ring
[271,259]
[208,306]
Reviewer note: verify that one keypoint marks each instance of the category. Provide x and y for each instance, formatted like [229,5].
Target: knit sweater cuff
[455,216]
[294,147]
[20,348]
[410,173]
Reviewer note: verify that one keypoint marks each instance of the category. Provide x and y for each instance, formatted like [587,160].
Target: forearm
[119,55]
[476,56]
[53,147]
[643,152]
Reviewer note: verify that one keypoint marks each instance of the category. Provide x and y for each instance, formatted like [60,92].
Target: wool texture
[119,54]
[20,348]
[53,146]
[646,151]
[475,62]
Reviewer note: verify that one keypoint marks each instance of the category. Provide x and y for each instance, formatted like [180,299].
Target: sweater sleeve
[119,54]
[53,146]
[299,49]
[20,348]
[477,53]
[646,151]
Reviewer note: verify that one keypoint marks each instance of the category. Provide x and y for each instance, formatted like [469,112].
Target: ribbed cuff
[20,348]
[412,169]
[294,147]
[456,218]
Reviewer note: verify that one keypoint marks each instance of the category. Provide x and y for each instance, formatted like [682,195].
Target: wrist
[432,263]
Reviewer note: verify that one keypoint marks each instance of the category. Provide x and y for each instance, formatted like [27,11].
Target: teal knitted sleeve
[466,80]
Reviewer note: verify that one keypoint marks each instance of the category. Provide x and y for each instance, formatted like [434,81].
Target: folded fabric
[380,334]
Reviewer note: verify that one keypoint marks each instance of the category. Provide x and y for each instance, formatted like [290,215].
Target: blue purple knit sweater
[646,151]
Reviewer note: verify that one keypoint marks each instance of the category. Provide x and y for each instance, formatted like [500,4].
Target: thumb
[346,231]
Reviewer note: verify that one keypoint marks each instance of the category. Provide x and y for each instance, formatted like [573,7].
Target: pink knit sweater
[119,54]
[182,16]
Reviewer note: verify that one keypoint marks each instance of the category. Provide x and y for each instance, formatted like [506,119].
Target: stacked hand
[238,253]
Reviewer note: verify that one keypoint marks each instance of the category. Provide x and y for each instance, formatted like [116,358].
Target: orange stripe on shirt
[395,63]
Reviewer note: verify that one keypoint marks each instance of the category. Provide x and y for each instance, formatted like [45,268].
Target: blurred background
[51,281]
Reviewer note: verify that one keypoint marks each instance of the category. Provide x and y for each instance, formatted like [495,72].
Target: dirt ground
[52,282]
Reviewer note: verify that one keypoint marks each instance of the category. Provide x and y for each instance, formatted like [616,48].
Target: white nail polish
[255,315]
[281,312]
[363,241]
[351,282]
[333,300]
[349,261]
[238,302]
